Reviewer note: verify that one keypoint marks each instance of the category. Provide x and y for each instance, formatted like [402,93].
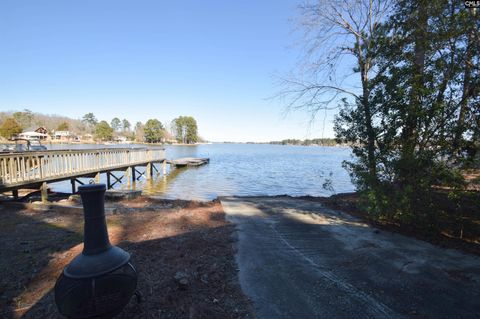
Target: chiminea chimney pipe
[95,229]
[99,256]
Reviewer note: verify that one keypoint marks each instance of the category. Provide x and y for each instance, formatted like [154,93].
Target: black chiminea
[100,281]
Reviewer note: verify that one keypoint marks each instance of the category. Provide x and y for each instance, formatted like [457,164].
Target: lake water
[245,170]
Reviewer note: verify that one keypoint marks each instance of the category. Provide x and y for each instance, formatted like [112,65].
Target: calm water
[246,169]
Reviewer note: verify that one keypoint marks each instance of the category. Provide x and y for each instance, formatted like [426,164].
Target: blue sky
[213,60]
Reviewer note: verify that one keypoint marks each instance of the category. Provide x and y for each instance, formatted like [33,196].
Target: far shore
[90,142]
[107,143]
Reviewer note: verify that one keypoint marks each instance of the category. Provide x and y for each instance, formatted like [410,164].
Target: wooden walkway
[33,170]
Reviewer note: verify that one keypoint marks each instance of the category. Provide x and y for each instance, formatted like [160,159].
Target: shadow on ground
[194,240]
[29,242]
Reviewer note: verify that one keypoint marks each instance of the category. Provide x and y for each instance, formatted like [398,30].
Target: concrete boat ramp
[299,259]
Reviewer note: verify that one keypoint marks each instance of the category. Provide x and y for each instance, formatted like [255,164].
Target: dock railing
[22,168]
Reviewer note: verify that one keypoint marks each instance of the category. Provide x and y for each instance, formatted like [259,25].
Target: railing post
[40,165]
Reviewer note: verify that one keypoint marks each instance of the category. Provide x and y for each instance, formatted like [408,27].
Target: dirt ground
[168,240]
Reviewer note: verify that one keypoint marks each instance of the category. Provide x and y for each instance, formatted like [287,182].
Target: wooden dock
[188,161]
[33,170]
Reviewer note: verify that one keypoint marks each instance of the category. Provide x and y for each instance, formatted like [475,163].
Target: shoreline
[348,203]
[56,142]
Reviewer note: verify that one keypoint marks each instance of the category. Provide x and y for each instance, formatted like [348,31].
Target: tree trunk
[364,64]
[372,165]
[410,128]
[466,92]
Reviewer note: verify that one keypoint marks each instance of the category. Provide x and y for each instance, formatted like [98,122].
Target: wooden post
[15,193]
[44,192]
[109,184]
[127,176]
[73,185]
[133,173]
[148,171]
[164,167]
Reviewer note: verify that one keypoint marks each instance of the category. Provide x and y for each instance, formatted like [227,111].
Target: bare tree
[338,37]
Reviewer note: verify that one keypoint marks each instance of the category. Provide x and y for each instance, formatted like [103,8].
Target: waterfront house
[62,135]
[32,135]
[42,130]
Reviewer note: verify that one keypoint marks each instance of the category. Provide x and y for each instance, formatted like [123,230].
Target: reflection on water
[159,185]
[245,170]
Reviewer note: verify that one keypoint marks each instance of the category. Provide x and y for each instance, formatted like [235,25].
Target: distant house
[31,135]
[42,130]
[62,135]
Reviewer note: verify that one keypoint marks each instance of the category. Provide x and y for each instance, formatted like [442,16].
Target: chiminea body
[99,282]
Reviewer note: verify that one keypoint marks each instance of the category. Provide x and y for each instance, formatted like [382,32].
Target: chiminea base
[98,297]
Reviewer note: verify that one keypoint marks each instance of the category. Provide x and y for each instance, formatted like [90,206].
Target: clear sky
[213,60]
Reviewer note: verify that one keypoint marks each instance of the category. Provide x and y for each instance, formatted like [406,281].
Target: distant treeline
[182,129]
[307,142]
